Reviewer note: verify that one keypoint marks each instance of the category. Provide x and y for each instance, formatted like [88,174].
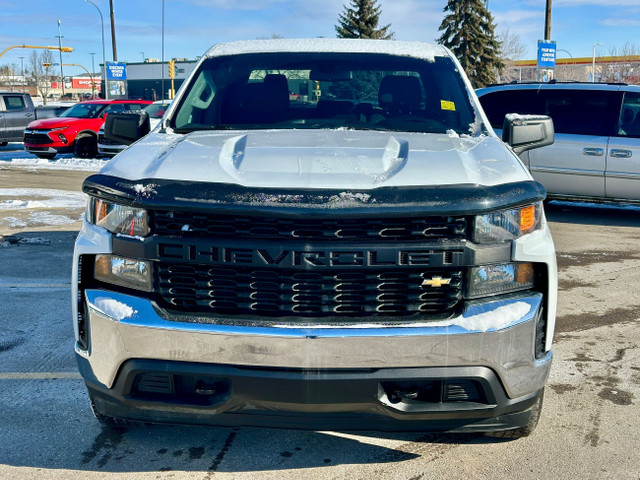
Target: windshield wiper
[203,127]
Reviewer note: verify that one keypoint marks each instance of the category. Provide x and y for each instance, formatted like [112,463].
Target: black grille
[277,228]
[155,383]
[296,293]
[37,138]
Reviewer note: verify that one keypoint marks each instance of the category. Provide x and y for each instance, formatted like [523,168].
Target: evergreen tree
[360,20]
[469,32]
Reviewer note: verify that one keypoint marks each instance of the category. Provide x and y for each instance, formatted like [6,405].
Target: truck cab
[16,111]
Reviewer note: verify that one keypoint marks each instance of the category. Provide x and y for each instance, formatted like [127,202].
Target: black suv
[596,154]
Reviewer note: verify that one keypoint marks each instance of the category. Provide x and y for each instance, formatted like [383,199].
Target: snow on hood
[322,159]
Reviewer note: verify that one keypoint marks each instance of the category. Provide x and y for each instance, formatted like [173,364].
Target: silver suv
[596,153]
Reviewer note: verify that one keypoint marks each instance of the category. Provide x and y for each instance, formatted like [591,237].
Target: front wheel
[526,430]
[86,147]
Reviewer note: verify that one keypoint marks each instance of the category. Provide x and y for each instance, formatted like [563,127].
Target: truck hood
[320,159]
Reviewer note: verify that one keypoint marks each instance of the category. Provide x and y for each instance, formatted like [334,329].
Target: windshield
[325,90]
[84,110]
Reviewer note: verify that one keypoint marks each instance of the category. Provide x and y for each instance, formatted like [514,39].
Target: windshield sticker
[447,105]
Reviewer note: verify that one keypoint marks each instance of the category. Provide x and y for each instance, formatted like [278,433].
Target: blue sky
[191,26]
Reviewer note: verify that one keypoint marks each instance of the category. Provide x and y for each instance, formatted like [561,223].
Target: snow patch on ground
[83,164]
[52,198]
[45,218]
[15,155]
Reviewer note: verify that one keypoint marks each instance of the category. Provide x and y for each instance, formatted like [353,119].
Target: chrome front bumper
[498,334]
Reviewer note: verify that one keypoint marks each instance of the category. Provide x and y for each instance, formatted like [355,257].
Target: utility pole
[113,32]
[162,60]
[547,22]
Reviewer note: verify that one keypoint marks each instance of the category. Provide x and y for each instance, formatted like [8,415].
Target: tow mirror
[526,132]
[126,128]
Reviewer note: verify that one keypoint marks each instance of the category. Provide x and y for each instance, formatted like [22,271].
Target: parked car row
[76,129]
[594,157]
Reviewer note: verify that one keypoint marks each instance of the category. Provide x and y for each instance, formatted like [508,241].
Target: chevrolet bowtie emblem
[436,282]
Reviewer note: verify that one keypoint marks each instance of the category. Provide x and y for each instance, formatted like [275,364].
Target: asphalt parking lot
[589,427]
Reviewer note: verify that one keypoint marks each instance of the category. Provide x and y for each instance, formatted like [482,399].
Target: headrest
[269,96]
[399,93]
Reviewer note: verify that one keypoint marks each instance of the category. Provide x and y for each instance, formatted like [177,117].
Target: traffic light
[172,69]
[46,65]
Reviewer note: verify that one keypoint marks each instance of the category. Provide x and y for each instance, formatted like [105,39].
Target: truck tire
[86,147]
[4,144]
[522,431]
[46,156]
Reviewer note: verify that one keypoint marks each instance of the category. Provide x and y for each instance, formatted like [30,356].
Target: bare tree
[511,49]
[41,72]
[626,69]
[6,75]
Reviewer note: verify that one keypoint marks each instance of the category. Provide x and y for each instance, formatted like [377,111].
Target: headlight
[506,225]
[126,272]
[497,279]
[121,219]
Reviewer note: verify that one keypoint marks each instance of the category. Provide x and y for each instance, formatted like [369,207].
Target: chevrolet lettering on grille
[308,258]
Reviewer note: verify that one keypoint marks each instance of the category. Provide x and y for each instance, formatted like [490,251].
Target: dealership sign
[116,71]
[546,54]
[84,82]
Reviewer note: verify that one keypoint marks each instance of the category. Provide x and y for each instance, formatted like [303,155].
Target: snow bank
[14,155]
[18,198]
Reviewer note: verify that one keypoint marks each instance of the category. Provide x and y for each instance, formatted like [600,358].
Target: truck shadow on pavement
[182,448]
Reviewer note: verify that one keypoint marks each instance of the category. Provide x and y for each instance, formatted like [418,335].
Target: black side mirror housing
[526,132]
[126,128]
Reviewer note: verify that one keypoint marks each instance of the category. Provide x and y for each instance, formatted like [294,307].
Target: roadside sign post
[546,59]
[116,81]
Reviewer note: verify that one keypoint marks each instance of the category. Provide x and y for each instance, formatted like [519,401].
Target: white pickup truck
[319,234]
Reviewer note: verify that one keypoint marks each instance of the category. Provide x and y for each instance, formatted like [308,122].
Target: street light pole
[60,45]
[162,61]
[593,65]
[104,61]
[93,71]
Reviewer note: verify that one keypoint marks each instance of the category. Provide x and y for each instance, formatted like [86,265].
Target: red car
[76,129]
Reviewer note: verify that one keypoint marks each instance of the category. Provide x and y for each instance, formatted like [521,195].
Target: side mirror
[126,128]
[526,132]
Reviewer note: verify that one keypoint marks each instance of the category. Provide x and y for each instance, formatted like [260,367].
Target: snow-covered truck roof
[420,50]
